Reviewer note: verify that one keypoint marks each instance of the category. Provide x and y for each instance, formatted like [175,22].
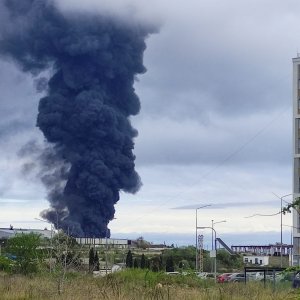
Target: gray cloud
[218,74]
[18,100]
[227,205]
[253,139]
[232,63]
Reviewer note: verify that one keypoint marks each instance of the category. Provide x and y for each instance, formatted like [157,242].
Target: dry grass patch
[135,285]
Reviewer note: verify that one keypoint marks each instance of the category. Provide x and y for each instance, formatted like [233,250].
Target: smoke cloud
[88,99]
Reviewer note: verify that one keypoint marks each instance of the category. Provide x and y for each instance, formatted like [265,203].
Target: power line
[262,215]
[216,167]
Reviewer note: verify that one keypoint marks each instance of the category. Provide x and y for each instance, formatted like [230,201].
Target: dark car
[237,277]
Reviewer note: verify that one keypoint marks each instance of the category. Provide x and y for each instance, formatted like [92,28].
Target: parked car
[210,276]
[201,274]
[237,277]
[205,275]
[173,273]
[223,277]
[259,276]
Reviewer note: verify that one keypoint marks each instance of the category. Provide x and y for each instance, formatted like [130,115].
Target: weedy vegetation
[33,268]
[135,284]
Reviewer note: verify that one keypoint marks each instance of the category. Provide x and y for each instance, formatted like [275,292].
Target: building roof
[10,232]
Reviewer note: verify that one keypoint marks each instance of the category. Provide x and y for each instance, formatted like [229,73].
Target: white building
[296,153]
[256,260]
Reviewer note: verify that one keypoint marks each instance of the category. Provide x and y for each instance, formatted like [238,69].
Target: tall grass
[136,285]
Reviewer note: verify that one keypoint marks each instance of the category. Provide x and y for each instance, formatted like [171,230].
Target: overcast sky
[215,126]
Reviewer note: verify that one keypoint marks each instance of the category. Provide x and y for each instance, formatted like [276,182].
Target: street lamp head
[203,206]
[41,220]
[223,221]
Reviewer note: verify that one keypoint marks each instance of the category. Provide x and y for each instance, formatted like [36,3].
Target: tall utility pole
[212,234]
[215,264]
[197,259]
[200,241]
[106,265]
[281,199]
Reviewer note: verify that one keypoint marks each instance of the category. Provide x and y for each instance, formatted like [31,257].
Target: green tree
[91,259]
[227,261]
[67,255]
[135,263]
[160,263]
[295,204]
[170,264]
[6,264]
[27,252]
[155,264]
[147,263]
[143,261]
[66,250]
[181,253]
[96,262]
[129,260]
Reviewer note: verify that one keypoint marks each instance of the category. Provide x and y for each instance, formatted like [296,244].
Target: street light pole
[106,265]
[212,235]
[290,252]
[281,232]
[196,263]
[281,199]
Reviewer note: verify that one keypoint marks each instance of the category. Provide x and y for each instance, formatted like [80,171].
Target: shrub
[6,264]
[26,249]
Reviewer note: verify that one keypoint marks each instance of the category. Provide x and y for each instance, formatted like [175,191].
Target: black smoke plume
[84,115]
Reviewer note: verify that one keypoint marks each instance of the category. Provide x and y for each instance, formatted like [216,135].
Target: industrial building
[270,250]
[6,233]
[296,154]
[105,242]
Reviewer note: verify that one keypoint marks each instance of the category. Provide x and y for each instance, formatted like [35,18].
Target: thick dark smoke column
[85,113]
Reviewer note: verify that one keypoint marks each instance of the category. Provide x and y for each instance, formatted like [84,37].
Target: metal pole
[212,241]
[281,232]
[196,265]
[291,249]
[212,234]
[215,265]
[51,246]
[106,252]
[212,245]
[281,224]
[216,256]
